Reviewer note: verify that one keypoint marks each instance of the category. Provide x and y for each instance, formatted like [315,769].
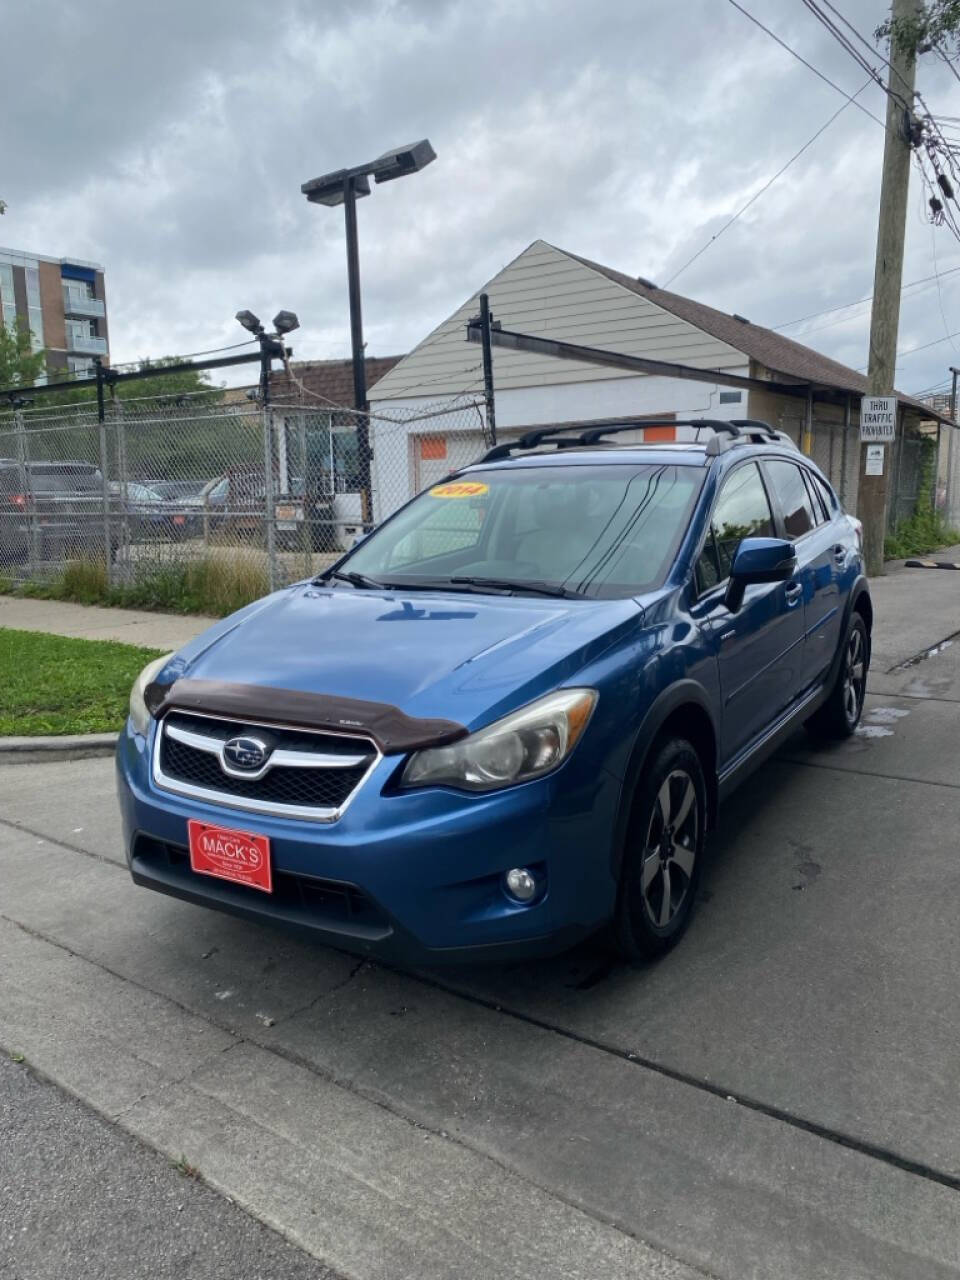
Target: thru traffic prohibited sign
[878,419]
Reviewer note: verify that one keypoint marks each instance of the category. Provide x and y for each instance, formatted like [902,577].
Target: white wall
[548,293]
[525,407]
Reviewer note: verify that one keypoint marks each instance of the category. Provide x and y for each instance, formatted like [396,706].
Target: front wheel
[663,857]
[840,714]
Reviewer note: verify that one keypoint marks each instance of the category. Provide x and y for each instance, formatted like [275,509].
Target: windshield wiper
[508,584]
[355,579]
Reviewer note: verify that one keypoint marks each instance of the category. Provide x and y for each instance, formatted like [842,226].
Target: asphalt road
[779,1098]
[81,1199]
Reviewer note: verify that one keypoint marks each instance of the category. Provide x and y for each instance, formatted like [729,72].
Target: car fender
[682,693]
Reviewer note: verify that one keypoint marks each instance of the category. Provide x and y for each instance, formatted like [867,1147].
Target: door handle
[840,553]
[793,593]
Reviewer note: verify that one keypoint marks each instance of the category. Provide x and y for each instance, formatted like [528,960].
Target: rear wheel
[664,853]
[840,714]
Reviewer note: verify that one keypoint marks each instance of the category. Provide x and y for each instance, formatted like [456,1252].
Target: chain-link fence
[211,493]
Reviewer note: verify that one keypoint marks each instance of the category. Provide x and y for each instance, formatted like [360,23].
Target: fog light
[520,884]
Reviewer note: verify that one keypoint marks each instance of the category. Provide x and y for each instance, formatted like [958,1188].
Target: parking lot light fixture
[250,322]
[271,344]
[285,322]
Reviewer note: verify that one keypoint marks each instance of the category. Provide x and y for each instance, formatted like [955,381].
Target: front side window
[742,511]
[592,530]
[788,483]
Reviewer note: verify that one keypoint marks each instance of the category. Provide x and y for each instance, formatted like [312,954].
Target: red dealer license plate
[230,855]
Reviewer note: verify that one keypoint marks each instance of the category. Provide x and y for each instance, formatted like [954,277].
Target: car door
[759,647]
[804,520]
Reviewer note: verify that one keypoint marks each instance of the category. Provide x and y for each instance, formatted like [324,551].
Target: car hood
[459,656]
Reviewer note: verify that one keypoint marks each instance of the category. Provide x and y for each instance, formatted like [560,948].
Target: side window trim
[817,503]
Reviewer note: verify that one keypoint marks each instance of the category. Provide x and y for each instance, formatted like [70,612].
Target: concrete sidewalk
[91,622]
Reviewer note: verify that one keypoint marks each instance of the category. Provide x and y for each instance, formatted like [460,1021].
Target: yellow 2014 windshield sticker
[460,489]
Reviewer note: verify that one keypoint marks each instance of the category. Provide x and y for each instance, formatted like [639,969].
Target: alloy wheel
[854,676]
[670,848]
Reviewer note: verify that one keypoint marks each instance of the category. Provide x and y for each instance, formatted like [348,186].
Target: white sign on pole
[874,466]
[878,420]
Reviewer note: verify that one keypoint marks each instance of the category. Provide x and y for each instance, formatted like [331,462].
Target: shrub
[926,530]
[212,585]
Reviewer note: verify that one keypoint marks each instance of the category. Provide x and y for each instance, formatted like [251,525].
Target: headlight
[523,745]
[139,715]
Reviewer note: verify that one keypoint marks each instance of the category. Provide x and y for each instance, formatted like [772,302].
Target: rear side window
[788,483]
[742,511]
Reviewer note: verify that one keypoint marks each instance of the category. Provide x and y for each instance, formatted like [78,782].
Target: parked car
[147,515]
[235,504]
[180,496]
[507,718]
[52,511]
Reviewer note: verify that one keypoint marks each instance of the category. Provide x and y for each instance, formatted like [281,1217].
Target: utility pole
[951,447]
[485,322]
[888,276]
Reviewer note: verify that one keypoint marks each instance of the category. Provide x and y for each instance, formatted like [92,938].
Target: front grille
[330,904]
[323,789]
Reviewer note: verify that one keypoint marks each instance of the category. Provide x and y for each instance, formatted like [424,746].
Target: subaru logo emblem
[246,753]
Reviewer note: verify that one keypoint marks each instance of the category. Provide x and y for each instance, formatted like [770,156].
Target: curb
[72,746]
[931,564]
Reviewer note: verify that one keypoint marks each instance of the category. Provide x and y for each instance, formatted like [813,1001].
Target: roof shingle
[781,356]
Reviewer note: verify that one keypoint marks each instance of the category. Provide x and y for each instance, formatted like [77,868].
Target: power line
[153,361]
[943,314]
[923,347]
[815,315]
[766,187]
[863,40]
[810,67]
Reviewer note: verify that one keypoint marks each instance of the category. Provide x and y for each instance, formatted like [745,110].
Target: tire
[663,855]
[840,713]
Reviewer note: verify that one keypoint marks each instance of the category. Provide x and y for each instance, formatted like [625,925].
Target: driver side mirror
[759,560]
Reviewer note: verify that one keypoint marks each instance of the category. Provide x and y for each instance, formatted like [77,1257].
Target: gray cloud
[169,142]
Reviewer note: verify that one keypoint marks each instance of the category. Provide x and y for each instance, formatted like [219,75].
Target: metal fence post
[104,473]
[26,489]
[266,415]
[125,543]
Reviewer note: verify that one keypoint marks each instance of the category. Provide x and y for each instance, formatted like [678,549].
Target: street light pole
[353,288]
[344,186]
[357,352]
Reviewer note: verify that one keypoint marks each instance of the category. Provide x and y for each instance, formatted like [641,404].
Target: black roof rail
[594,435]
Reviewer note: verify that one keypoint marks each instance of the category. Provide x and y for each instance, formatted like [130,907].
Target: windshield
[601,531]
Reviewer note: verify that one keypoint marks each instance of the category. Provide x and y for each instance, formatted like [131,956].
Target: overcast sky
[169,142]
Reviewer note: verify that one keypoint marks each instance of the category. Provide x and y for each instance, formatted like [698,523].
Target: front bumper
[414,877]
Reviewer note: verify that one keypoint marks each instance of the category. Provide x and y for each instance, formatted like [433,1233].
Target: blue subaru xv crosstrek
[506,719]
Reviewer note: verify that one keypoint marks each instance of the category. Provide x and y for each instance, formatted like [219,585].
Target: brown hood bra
[392,729]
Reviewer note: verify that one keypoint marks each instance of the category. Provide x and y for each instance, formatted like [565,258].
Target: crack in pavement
[14,825]
[838,1137]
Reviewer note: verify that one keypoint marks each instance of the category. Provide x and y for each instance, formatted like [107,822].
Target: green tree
[935,28]
[160,388]
[20,365]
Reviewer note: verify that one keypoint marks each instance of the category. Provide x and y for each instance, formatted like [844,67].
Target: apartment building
[63,303]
